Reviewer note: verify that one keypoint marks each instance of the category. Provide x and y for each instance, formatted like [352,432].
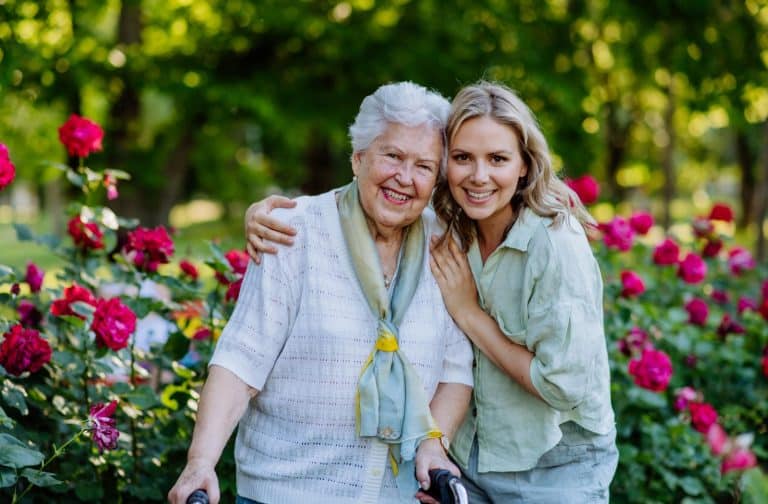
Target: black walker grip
[199,496]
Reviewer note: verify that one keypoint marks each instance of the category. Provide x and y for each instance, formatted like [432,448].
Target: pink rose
[85,235]
[72,294]
[684,396]
[692,269]
[632,284]
[740,260]
[34,277]
[717,439]
[652,370]
[738,460]
[712,247]
[703,415]
[617,234]
[729,326]
[113,323]
[641,222]
[189,269]
[149,248]
[110,183]
[23,350]
[81,136]
[666,253]
[721,212]
[103,426]
[7,169]
[585,187]
[697,311]
[634,342]
[746,303]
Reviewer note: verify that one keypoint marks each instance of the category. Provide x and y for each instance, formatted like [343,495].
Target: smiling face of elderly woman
[396,174]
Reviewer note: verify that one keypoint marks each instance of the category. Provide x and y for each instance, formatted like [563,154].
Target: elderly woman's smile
[396,175]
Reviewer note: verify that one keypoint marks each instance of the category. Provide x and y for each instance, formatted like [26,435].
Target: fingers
[253,253]
[277,201]
[272,229]
[426,499]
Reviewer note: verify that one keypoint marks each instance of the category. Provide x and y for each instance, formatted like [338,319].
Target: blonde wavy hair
[540,189]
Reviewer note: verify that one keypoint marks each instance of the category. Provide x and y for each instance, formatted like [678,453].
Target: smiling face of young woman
[484,167]
[396,175]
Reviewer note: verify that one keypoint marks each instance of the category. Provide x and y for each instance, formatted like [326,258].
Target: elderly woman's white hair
[404,103]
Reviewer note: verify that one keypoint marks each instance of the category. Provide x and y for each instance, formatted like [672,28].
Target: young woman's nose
[479,173]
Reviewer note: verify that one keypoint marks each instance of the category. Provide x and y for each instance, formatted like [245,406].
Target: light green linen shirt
[544,288]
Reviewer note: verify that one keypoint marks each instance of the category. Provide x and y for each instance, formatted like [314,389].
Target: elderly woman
[340,362]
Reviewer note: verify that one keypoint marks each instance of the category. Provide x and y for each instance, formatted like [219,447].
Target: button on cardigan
[300,334]
[544,288]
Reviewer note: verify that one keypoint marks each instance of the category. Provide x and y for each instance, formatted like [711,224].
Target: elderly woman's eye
[393,155]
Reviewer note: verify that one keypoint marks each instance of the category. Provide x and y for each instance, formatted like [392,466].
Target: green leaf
[89,492]
[75,178]
[6,273]
[14,453]
[7,477]
[40,478]
[754,487]
[143,397]
[5,420]
[15,396]
[691,485]
[167,396]
[23,233]
[177,345]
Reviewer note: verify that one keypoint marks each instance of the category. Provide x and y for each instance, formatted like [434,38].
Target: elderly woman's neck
[388,236]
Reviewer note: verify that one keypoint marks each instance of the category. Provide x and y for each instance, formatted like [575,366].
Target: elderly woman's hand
[198,473]
[260,228]
[431,455]
[450,268]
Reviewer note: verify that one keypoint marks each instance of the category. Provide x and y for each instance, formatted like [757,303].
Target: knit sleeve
[257,331]
[457,363]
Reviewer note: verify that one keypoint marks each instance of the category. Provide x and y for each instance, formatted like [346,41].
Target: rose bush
[99,381]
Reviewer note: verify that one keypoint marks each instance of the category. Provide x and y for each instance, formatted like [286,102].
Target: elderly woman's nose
[405,172]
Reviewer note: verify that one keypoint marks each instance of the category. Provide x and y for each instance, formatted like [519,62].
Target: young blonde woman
[523,285]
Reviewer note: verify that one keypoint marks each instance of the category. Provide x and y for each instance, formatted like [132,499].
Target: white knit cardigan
[300,333]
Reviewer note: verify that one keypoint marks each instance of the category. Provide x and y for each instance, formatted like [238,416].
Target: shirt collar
[522,230]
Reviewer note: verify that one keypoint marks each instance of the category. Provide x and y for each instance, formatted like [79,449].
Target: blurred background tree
[222,101]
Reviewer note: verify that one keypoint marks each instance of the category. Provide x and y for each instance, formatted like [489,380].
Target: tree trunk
[616,138]
[746,160]
[761,210]
[176,171]
[668,159]
[319,162]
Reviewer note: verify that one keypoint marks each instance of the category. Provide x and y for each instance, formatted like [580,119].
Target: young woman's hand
[450,268]
[261,229]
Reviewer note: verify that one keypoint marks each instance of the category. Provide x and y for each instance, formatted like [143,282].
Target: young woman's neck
[492,231]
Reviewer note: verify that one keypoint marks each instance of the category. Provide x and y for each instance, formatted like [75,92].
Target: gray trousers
[577,470]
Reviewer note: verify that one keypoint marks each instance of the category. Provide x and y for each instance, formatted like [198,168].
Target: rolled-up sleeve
[260,324]
[565,323]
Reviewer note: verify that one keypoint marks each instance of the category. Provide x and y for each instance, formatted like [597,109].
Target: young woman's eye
[460,157]
[498,159]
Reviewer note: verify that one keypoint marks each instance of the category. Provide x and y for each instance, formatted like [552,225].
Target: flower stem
[56,453]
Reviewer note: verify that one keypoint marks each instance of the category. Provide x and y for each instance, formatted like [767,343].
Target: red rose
[764,290]
[29,315]
[85,235]
[233,291]
[720,296]
[765,364]
[149,248]
[34,277]
[702,227]
[666,253]
[729,326]
[81,136]
[746,303]
[23,350]
[189,269]
[617,234]
[738,460]
[717,439]
[712,247]
[15,289]
[634,342]
[697,311]
[692,269]
[632,284]
[585,187]
[72,294]
[238,260]
[641,222]
[103,426]
[721,212]
[703,415]
[740,260]
[7,170]
[652,371]
[113,323]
